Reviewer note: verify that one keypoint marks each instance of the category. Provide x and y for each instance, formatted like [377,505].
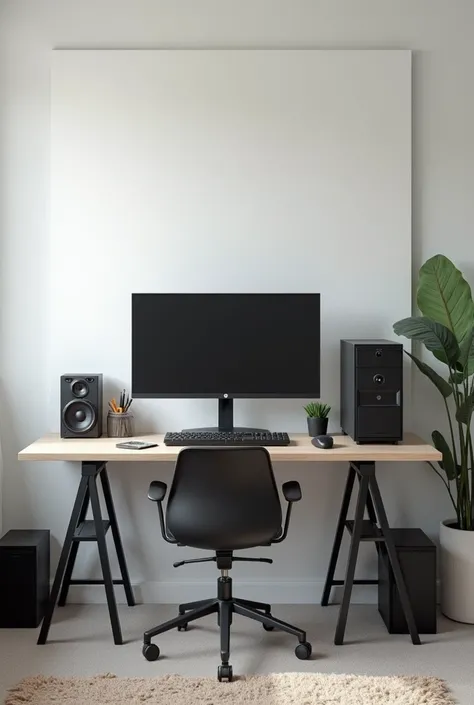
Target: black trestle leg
[393,559]
[68,540]
[72,555]
[79,529]
[372,515]
[338,538]
[104,560]
[352,561]
[370,507]
[109,503]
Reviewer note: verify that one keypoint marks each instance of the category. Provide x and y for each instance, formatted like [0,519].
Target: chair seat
[233,542]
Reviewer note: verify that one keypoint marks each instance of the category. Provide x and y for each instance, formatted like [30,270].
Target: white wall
[437,31]
[225,171]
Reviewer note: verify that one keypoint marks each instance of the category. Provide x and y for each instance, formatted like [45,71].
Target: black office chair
[222,500]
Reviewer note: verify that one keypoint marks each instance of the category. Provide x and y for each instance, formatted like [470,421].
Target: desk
[51,447]
[94,454]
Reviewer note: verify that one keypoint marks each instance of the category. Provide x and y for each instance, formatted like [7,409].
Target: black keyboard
[203,438]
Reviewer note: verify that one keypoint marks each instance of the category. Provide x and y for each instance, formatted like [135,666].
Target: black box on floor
[417,557]
[24,577]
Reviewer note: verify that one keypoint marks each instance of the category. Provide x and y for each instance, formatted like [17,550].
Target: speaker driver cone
[80,388]
[79,416]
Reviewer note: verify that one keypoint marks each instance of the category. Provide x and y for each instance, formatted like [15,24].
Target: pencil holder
[119,425]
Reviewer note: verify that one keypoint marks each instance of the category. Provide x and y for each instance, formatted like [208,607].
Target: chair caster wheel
[303,651]
[224,673]
[268,627]
[183,628]
[151,652]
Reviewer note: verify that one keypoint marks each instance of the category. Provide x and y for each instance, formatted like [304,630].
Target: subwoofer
[372,390]
[81,406]
[24,578]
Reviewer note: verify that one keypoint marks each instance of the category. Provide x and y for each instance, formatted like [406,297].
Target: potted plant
[317,414]
[446,329]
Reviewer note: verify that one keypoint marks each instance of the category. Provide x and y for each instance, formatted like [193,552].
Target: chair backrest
[224,499]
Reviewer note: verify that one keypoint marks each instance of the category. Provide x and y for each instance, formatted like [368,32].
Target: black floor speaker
[417,556]
[24,577]
[81,406]
[372,390]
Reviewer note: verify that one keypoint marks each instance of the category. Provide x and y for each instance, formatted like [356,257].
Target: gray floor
[81,644]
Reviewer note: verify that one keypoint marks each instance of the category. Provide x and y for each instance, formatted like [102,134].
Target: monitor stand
[226,421]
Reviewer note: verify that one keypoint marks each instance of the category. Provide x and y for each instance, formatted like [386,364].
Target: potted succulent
[317,414]
[446,329]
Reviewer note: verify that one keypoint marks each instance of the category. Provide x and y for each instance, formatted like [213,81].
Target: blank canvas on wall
[226,171]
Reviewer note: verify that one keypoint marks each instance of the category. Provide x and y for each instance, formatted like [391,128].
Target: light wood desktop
[51,447]
[94,454]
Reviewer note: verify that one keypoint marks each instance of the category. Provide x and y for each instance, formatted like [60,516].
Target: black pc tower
[225,346]
[372,390]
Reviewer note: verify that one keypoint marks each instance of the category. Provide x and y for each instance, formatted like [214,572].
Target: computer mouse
[324,442]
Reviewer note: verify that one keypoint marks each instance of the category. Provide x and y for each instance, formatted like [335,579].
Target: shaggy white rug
[275,689]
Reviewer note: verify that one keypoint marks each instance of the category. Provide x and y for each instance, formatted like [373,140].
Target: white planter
[457,573]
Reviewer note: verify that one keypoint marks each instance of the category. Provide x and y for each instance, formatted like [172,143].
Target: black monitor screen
[208,345]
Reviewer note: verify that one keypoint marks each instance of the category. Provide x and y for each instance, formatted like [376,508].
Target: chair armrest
[292,491]
[157,491]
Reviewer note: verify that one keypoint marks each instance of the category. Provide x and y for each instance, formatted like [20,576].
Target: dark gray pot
[317,426]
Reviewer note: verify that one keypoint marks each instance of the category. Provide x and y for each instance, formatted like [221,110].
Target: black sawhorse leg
[341,524]
[79,529]
[377,529]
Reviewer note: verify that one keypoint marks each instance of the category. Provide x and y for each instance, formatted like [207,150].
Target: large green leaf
[448,462]
[441,384]
[465,409]
[433,335]
[445,296]
[466,355]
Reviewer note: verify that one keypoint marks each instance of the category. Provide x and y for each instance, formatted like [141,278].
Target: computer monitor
[225,346]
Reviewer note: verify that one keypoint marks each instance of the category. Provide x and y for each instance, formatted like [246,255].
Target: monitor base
[234,429]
